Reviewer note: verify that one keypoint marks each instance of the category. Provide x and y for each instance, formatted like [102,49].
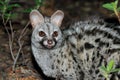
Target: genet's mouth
[49,46]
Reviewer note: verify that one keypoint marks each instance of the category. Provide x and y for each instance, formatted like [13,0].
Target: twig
[24,31]
[117,14]
[9,36]
[11,41]
[16,58]
[20,44]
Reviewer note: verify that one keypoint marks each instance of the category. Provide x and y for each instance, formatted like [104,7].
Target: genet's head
[46,31]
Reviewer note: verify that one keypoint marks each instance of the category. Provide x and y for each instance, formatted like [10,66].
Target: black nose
[50,41]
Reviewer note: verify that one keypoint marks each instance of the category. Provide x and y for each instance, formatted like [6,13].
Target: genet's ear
[57,18]
[36,18]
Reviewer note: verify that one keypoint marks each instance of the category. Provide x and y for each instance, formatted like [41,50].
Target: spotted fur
[78,51]
[96,43]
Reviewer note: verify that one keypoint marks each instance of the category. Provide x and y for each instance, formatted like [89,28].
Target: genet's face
[48,35]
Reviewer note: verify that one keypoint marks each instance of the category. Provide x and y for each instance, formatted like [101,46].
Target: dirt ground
[26,68]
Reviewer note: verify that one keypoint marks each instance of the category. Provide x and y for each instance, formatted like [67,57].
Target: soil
[26,67]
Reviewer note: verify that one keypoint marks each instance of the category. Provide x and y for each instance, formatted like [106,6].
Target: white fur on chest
[45,60]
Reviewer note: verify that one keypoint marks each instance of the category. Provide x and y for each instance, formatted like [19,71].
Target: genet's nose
[50,41]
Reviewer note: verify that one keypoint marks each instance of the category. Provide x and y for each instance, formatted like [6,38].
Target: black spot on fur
[52,66]
[93,58]
[79,67]
[110,36]
[66,70]
[90,71]
[101,60]
[97,40]
[88,32]
[58,61]
[73,45]
[116,41]
[81,48]
[97,71]
[93,66]
[82,75]
[65,56]
[88,46]
[107,44]
[80,36]
[105,34]
[118,30]
[113,50]
[56,67]
[87,56]
[73,56]
[102,44]
[62,70]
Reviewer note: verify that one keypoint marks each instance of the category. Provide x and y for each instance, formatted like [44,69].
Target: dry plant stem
[20,43]
[11,41]
[18,53]
[10,37]
[119,18]
[24,31]
[117,14]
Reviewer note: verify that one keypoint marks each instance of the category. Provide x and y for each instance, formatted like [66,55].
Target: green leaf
[6,1]
[108,6]
[10,15]
[115,70]
[13,5]
[10,7]
[1,2]
[103,69]
[1,8]
[116,3]
[7,15]
[111,6]
[110,65]
[27,10]
[38,2]
[118,9]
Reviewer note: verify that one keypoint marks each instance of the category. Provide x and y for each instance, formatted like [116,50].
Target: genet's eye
[55,34]
[41,34]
